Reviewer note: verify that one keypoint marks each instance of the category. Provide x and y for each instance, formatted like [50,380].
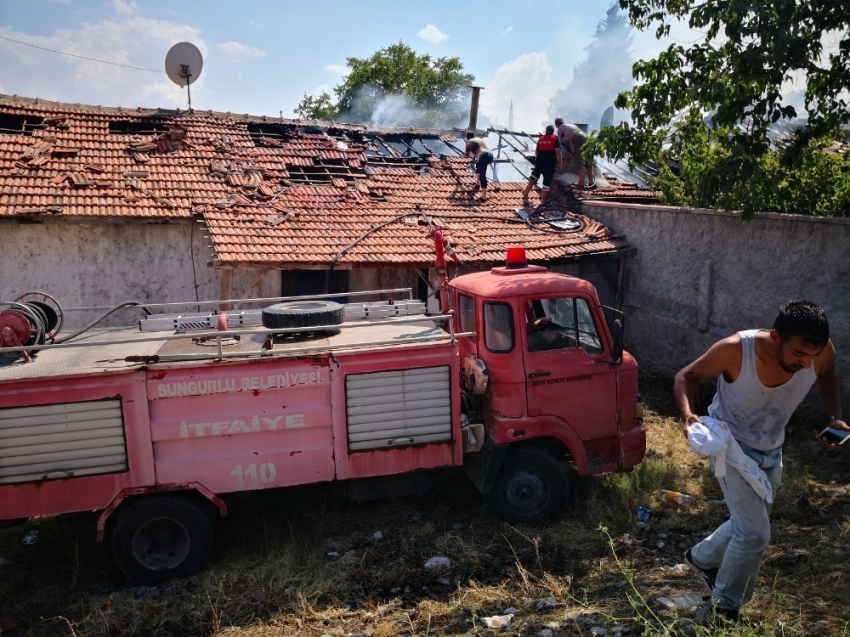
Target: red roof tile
[268,200]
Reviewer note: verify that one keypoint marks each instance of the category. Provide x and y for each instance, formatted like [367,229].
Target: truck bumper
[632,447]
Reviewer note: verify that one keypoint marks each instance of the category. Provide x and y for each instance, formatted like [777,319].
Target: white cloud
[133,41]
[321,88]
[524,80]
[238,50]
[338,69]
[124,7]
[506,31]
[432,34]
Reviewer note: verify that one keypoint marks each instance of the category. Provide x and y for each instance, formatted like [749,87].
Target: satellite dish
[183,65]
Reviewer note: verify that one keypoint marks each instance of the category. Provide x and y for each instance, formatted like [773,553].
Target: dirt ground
[306,561]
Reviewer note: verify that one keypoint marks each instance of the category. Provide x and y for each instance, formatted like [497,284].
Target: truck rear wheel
[531,487]
[160,537]
[303,314]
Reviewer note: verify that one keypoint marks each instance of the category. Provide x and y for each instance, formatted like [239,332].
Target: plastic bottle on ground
[674,497]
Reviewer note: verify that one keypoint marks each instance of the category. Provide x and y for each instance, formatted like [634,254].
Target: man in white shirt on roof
[477,147]
[571,139]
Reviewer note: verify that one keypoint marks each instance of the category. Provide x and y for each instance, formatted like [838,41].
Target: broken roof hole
[345,134]
[323,172]
[19,124]
[138,127]
[281,132]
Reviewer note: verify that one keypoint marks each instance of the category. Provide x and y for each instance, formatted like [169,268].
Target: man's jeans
[737,546]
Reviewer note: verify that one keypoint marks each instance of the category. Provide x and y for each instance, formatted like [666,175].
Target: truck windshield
[561,324]
[498,327]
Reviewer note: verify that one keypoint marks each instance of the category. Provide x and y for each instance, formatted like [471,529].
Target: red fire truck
[153,424]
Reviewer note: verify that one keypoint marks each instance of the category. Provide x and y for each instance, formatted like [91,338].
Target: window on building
[312,282]
[498,327]
[561,323]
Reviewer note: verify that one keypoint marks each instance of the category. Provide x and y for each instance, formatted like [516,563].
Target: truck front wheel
[160,537]
[531,487]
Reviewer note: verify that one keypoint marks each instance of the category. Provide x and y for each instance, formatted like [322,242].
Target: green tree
[727,89]
[598,79]
[320,107]
[414,89]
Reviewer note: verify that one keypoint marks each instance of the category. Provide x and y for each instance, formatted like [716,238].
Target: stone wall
[700,275]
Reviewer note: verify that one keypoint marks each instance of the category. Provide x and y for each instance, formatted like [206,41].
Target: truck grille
[398,408]
[61,441]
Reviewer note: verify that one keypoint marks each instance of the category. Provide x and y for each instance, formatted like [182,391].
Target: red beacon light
[517,263]
[516,258]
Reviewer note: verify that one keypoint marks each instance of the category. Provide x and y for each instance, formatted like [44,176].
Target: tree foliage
[725,91]
[321,107]
[407,87]
[599,78]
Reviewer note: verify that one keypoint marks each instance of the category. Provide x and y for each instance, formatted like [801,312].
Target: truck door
[566,366]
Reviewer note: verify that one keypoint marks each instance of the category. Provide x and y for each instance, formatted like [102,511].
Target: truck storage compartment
[398,408]
[62,440]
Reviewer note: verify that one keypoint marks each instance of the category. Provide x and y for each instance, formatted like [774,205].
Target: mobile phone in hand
[835,436]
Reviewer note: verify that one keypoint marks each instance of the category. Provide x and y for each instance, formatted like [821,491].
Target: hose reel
[34,318]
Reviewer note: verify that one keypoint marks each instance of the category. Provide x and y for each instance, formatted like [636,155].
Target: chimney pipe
[473,108]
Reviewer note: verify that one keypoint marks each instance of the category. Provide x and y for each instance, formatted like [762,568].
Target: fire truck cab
[559,385]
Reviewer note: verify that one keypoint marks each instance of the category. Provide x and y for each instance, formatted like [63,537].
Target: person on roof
[571,138]
[548,157]
[477,147]
[762,376]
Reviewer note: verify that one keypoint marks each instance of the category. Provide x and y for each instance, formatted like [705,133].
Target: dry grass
[270,575]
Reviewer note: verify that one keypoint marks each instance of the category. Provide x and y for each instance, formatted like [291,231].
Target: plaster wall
[85,265]
[365,279]
[701,275]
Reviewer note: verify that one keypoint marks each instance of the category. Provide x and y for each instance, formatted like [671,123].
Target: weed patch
[305,561]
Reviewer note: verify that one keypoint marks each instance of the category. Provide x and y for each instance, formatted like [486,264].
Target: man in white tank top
[762,376]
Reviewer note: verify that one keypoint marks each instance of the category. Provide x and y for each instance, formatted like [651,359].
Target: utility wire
[82,57]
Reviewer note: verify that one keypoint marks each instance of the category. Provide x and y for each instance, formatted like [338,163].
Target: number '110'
[266,474]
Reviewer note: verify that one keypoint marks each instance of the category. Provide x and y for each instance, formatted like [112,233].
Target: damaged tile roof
[272,192]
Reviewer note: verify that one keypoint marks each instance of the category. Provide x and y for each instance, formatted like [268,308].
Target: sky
[261,57]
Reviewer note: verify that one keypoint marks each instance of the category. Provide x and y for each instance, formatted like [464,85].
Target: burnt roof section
[273,192]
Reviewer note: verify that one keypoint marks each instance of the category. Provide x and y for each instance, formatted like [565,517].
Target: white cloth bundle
[712,438]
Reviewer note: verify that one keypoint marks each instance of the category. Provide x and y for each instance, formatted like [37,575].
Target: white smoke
[394,110]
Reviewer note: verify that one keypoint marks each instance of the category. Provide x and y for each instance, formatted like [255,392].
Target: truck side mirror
[617,334]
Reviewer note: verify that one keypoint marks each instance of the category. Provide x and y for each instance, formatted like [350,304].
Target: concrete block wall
[700,275]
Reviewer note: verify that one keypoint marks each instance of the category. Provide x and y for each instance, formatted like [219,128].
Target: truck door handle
[397,441]
[539,374]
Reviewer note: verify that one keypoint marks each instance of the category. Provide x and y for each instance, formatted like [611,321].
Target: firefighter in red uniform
[548,156]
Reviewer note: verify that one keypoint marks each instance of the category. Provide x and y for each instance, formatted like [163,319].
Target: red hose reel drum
[15,329]
[34,318]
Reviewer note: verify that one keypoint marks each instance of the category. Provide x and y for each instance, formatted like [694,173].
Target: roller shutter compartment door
[398,408]
[62,440]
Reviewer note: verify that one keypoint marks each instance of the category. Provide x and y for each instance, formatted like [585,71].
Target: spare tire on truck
[306,314]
